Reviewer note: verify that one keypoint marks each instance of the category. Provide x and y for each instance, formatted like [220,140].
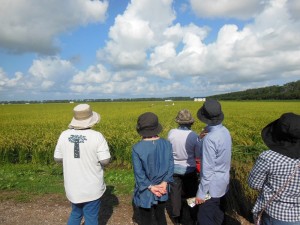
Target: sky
[110,49]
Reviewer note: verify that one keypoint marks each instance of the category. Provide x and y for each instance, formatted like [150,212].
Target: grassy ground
[28,180]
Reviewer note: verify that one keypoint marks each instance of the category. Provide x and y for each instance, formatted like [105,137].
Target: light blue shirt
[216,159]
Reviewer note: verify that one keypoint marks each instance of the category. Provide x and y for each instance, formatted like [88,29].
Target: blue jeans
[88,210]
[267,220]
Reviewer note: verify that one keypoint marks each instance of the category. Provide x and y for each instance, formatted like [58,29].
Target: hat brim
[185,122]
[274,143]
[150,132]
[210,121]
[84,124]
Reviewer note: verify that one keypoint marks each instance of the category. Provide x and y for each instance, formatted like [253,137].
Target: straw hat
[84,117]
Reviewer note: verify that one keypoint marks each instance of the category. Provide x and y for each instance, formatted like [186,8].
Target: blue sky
[145,48]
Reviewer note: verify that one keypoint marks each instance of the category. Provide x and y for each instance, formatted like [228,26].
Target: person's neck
[155,137]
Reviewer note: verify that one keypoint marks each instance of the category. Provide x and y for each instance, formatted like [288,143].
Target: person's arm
[58,160]
[103,153]
[259,173]
[58,154]
[169,177]
[207,170]
[105,162]
[141,179]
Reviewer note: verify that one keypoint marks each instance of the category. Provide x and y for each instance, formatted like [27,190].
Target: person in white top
[186,150]
[84,152]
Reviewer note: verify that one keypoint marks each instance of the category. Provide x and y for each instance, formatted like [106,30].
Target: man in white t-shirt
[84,152]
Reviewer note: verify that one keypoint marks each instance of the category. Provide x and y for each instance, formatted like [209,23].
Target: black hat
[211,112]
[283,135]
[148,125]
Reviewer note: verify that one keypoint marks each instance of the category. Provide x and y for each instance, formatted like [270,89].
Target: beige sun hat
[84,117]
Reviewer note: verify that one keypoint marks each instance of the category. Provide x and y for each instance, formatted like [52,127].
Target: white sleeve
[102,150]
[58,154]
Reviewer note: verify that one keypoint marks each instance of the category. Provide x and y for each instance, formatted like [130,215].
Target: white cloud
[50,68]
[94,75]
[33,26]
[149,53]
[242,9]
[294,7]
[137,30]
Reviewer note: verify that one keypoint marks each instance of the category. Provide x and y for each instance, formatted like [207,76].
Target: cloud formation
[148,52]
[34,26]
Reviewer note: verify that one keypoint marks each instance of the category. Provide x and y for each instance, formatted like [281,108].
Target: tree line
[288,91]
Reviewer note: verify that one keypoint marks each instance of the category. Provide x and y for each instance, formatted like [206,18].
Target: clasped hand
[159,189]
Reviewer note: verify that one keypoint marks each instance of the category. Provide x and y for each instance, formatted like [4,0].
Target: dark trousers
[210,213]
[154,215]
[184,186]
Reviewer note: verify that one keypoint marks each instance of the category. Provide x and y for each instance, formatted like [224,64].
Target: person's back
[83,152]
[153,169]
[215,164]
[185,149]
[216,160]
[276,173]
[184,145]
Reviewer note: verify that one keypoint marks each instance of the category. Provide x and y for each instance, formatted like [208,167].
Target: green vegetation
[29,132]
[27,181]
[288,91]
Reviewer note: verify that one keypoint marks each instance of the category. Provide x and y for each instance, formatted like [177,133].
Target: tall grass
[28,133]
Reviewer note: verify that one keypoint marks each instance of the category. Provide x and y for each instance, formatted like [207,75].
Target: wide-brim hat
[84,117]
[184,117]
[283,135]
[148,125]
[211,112]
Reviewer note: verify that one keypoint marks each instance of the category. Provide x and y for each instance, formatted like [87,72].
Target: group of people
[185,170]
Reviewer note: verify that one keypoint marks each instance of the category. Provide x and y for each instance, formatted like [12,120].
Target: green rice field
[29,132]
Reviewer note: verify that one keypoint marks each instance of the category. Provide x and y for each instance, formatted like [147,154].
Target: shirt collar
[212,128]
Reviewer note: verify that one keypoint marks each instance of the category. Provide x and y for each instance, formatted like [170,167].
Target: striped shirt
[269,174]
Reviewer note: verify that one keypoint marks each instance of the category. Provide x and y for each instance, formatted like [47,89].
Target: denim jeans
[267,220]
[88,210]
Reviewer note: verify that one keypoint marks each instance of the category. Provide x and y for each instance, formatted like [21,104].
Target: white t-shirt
[81,151]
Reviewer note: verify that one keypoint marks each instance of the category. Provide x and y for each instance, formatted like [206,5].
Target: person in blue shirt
[153,167]
[215,166]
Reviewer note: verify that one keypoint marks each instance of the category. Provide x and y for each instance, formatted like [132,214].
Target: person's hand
[163,187]
[203,133]
[199,201]
[156,190]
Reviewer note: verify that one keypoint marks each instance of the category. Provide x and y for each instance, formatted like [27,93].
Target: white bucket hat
[84,117]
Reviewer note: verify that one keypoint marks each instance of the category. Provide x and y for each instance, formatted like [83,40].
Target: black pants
[210,213]
[154,215]
[184,186]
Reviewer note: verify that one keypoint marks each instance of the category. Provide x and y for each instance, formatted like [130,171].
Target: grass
[23,182]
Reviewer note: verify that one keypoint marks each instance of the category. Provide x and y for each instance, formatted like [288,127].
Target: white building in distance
[197,99]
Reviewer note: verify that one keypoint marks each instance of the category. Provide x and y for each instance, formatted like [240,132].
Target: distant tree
[288,91]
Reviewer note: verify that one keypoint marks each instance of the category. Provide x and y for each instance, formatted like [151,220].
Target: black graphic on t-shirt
[76,139]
